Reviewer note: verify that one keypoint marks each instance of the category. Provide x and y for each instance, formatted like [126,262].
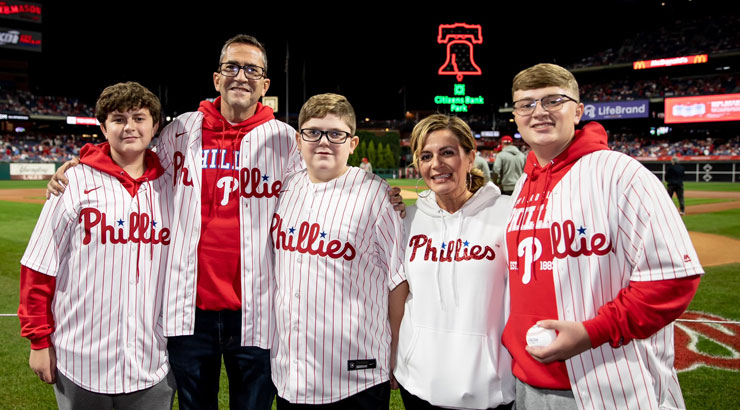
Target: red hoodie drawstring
[138,243]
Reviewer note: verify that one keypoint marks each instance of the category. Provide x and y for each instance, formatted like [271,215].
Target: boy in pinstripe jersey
[596,242]
[338,264]
[92,275]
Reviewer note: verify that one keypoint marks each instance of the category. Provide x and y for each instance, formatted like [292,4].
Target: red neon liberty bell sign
[459,38]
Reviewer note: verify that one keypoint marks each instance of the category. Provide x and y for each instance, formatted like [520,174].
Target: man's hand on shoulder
[572,339]
[58,181]
[397,201]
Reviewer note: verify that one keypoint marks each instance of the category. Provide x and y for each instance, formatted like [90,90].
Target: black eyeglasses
[526,106]
[335,137]
[252,72]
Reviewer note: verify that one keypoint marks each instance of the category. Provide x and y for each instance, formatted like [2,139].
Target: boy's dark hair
[127,96]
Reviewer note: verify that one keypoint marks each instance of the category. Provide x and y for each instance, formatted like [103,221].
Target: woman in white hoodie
[449,350]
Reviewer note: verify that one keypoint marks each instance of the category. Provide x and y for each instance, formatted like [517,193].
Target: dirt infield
[712,249]
[28,195]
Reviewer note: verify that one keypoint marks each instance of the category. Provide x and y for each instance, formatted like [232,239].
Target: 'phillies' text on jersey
[138,225]
[307,236]
[456,250]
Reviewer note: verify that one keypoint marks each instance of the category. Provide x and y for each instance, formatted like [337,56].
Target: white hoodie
[450,352]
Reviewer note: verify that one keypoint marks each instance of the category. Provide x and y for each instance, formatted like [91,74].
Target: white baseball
[539,336]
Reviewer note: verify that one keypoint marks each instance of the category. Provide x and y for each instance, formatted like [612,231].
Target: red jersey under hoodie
[37,289]
[638,311]
[219,270]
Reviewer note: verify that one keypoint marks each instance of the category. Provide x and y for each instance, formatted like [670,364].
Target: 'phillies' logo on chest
[310,239]
[456,250]
[569,241]
[140,224]
[251,182]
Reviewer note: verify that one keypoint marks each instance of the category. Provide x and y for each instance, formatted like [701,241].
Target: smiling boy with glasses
[596,242]
[338,261]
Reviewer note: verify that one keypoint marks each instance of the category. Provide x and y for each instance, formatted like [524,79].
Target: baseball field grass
[703,388]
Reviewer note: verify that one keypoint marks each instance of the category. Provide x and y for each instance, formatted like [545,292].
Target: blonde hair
[459,129]
[545,75]
[319,106]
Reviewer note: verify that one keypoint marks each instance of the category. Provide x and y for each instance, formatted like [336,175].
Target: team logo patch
[693,340]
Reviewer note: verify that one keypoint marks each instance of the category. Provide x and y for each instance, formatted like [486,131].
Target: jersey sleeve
[34,309]
[650,231]
[389,234]
[50,238]
[163,148]
[295,162]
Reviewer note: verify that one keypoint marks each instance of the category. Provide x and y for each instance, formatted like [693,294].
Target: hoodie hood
[99,157]
[214,121]
[512,150]
[429,206]
[592,137]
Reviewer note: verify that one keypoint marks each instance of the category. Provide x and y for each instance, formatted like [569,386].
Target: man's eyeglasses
[526,106]
[335,137]
[252,72]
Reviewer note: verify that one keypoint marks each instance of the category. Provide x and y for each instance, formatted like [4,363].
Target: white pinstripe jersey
[108,314]
[338,251]
[267,150]
[614,195]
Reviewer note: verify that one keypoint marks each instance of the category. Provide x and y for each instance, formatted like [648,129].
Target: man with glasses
[596,242]
[229,159]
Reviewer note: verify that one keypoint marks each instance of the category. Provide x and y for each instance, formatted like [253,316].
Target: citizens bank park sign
[460,40]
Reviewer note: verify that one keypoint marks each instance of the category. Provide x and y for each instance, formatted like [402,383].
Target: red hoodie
[37,289]
[219,271]
[638,311]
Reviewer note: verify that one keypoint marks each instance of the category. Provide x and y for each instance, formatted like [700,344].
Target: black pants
[411,402]
[375,398]
[678,189]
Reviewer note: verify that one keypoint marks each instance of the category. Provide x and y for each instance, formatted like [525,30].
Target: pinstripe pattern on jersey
[334,309]
[610,193]
[108,336]
[269,148]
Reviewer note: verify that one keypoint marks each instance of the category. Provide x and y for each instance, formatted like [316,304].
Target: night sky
[374,53]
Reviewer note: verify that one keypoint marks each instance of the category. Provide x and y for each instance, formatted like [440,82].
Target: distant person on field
[482,165]
[508,166]
[674,177]
[366,166]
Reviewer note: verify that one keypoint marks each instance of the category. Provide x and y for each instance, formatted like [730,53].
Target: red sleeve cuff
[598,330]
[41,343]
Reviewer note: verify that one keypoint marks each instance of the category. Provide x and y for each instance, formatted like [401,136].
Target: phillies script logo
[565,237]
[688,334]
[455,250]
[139,224]
[310,240]
[251,182]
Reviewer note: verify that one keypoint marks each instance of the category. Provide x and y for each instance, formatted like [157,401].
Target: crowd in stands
[52,148]
[652,148]
[625,89]
[25,102]
[703,35]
